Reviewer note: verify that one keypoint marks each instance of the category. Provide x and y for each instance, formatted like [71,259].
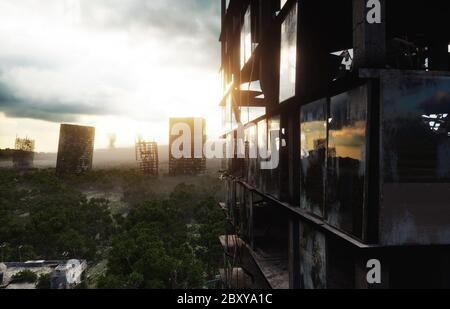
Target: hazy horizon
[124,67]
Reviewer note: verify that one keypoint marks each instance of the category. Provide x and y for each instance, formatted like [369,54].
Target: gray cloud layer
[55,110]
[187,28]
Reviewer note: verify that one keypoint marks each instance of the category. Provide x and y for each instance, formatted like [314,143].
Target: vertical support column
[313,70]
[369,33]
[268,65]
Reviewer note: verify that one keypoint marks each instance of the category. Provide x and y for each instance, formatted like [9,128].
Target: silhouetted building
[76,149]
[359,97]
[186,142]
[147,157]
[23,155]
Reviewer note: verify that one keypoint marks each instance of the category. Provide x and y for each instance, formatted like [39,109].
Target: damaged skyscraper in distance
[23,153]
[147,157]
[76,149]
[195,163]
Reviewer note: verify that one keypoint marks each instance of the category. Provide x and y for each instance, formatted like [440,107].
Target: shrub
[25,276]
[44,282]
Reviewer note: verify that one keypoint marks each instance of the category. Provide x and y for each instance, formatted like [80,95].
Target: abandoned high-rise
[147,157]
[76,149]
[23,155]
[355,96]
[186,141]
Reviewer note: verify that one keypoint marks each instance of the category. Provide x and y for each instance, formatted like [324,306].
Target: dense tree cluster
[167,238]
[41,217]
[169,243]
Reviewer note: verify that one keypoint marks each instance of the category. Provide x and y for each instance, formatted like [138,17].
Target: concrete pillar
[369,33]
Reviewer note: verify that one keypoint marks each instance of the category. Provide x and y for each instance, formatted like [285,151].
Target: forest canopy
[163,234]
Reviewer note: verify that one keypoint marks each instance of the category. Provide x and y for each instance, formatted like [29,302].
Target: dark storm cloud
[54,111]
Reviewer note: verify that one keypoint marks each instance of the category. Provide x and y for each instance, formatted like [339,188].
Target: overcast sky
[124,66]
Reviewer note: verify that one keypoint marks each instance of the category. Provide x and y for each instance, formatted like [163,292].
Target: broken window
[341,63]
[347,160]
[246,38]
[407,55]
[288,57]
[313,131]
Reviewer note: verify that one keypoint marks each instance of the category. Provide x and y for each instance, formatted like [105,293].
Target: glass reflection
[347,160]
[416,129]
[313,130]
[288,58]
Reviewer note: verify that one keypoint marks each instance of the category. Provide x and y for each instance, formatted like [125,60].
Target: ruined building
[354,95]
[23,155]
[186,141]
[147,157]
[76,149]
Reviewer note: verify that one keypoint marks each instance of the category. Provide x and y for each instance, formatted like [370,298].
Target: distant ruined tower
[147,157]
[193,164]
[76,149]
[112,138]
[23,156]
